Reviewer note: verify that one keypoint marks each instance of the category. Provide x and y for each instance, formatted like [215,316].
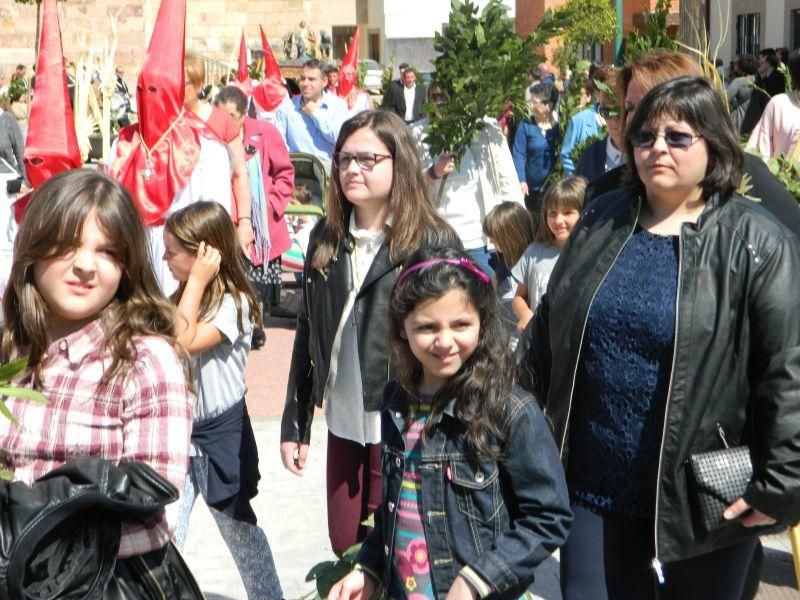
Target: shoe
[258,340]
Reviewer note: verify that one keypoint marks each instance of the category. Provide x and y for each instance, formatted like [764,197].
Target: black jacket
[397,101]
[765,187]
[592,163]
[736,353]
[59,537]
[324,298]
[765,88]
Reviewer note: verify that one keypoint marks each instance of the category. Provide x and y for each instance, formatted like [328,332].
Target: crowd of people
[507,364]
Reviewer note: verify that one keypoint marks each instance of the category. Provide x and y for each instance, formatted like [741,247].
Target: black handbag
[716,480]
[157,575]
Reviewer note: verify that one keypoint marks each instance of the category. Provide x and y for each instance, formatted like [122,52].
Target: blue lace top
[622,380]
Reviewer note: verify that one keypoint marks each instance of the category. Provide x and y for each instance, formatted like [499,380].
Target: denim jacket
[497,518]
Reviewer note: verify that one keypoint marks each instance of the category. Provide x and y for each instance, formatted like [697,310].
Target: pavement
[291,509]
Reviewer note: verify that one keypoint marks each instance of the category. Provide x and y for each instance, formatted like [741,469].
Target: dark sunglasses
[365,160]
[673,139]
[608,112]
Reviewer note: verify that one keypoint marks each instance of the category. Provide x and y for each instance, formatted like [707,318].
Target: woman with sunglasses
[639,77]
[378,214]
[671,314]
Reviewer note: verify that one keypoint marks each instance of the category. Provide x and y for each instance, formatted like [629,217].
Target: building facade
[213,27]
[747,26]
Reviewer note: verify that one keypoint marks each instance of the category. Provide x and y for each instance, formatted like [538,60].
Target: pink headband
[459,262]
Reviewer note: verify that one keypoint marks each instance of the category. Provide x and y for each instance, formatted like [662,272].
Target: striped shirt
[142,415]
[411,567]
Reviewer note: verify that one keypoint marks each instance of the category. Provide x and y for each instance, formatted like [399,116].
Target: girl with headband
[474,493]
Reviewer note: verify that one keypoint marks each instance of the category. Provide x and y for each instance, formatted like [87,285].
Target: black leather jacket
[736,359]
[59,537]
[324,298]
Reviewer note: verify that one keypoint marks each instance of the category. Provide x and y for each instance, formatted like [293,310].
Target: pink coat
[278,179]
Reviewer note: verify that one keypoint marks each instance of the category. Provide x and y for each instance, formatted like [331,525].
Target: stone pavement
[292,510]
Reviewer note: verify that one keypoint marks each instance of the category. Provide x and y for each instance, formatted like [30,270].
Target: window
[748,33]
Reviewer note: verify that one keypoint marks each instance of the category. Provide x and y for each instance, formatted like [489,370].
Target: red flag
[348,73]
[244,72]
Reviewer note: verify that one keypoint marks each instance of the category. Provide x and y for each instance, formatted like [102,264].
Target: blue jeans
[247,543]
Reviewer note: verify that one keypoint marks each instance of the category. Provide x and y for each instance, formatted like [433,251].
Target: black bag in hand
[716,480]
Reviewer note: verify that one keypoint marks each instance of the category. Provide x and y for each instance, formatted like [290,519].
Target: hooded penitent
[243,81]
[243,73]
[270,92]
[348,73]
[51,145]
[155,158]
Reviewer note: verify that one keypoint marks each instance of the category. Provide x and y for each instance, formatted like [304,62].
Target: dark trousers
[608,557]
[354,490]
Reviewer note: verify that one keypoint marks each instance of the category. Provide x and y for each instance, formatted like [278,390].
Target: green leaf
[18,392]
[7,413]
[318,569]
[480,38]
[8,371]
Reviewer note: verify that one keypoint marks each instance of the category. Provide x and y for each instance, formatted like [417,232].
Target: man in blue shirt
[310,123]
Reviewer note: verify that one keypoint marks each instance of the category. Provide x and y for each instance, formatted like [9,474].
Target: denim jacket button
[397,461]
[479,477]
[390,505]
[386,550]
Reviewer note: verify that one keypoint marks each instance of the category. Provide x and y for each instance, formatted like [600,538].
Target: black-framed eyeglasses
[365,160]
[673,139]
[608,112]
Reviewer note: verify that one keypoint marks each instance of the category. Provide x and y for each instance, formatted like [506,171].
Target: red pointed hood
[155,158]
[160,89]
[271,68]
[270,92]
[51,145]
[348,73]
[244,72]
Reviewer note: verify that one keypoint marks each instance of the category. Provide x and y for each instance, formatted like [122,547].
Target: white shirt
[344,396]
[409,93]
[614,157]
[533,270]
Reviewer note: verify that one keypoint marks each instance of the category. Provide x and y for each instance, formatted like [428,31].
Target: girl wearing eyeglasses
[378,214]
[671,314]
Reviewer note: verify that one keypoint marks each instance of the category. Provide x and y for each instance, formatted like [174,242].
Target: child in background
[83,304]
[217,310]
[561,207]
[510,228]
[485,443]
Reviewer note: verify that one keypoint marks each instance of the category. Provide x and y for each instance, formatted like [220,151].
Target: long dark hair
[208,222]
[412,212]
[693,100]
[482,385]
[53,226]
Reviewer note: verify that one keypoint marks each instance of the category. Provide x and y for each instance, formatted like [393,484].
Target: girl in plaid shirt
[217,310]
[84,306]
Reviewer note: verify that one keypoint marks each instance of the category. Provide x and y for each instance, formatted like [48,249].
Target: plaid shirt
[144,415]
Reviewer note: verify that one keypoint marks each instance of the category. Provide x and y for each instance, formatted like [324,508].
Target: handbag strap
[722,437]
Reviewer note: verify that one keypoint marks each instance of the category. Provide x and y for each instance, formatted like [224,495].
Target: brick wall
[213,27]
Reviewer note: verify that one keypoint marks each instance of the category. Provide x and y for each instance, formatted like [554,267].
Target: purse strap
[722,437]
